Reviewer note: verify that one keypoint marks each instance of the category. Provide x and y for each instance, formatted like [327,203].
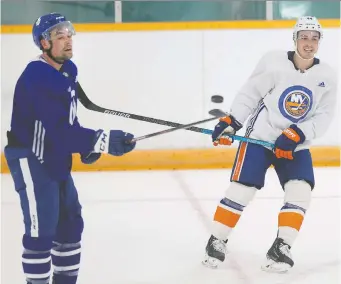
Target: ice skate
[279,258]
[215,252]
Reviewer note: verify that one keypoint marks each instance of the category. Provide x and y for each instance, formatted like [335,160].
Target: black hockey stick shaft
[183,126]
[85,101]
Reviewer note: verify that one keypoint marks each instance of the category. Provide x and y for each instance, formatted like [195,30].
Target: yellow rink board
[216,158]
[159,26]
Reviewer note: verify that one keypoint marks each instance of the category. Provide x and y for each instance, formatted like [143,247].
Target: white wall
[169,75]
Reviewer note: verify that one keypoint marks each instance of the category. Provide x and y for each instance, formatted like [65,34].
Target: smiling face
[307,43]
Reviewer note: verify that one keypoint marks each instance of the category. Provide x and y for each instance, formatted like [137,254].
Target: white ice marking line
[206,222]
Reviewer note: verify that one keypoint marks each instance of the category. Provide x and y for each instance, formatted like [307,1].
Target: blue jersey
[44,116]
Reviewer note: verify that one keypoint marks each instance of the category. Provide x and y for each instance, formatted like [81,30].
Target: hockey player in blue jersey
[44,134]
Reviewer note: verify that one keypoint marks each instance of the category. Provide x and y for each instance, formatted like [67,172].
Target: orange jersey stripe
[226,217]
[296,104]
[239,162]
[290,219]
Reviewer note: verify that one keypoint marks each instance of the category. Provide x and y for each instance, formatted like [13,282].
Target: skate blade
[275,267]
[211,262]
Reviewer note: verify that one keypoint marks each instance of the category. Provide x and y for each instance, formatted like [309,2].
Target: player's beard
[65,56]
[58,59]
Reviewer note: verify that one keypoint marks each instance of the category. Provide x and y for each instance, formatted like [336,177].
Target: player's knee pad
[240,193]
[70,230]
[298,193]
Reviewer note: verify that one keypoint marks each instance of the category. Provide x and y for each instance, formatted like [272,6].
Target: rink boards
[162,26]
[184,159]
[178,152]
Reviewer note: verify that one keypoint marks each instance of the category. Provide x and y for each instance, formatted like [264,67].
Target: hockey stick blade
[217,112]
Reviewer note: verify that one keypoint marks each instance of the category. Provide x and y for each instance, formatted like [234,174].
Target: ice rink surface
[152,227]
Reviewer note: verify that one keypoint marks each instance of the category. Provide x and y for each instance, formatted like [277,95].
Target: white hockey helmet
[307,23]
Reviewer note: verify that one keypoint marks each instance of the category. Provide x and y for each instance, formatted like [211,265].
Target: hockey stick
[182,126]
[85,101]
[220,113]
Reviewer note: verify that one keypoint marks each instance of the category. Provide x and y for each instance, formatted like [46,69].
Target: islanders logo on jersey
[295,103]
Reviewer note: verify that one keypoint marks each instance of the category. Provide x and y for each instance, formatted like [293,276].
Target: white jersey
[278,95]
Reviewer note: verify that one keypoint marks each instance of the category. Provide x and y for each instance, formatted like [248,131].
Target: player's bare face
[307,43]
[61,45]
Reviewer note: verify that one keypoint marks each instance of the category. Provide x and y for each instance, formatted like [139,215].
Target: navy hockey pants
[52,218]
[252,162]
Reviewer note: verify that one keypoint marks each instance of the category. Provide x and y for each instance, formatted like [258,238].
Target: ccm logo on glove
[113,142]
[103,142]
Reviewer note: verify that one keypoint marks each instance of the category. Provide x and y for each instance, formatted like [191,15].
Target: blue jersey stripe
[254,117]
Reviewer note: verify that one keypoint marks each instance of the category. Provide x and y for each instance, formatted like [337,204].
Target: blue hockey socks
[66,252]
[36,259]
[66,262]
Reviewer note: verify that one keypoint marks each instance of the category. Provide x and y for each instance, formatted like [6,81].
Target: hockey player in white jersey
[289,100]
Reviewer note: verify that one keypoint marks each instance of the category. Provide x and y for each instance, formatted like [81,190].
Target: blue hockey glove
[227,125]
[113,142]
[90,158]
[287,142]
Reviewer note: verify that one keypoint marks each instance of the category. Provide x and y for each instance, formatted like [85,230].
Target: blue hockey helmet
[45,24]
